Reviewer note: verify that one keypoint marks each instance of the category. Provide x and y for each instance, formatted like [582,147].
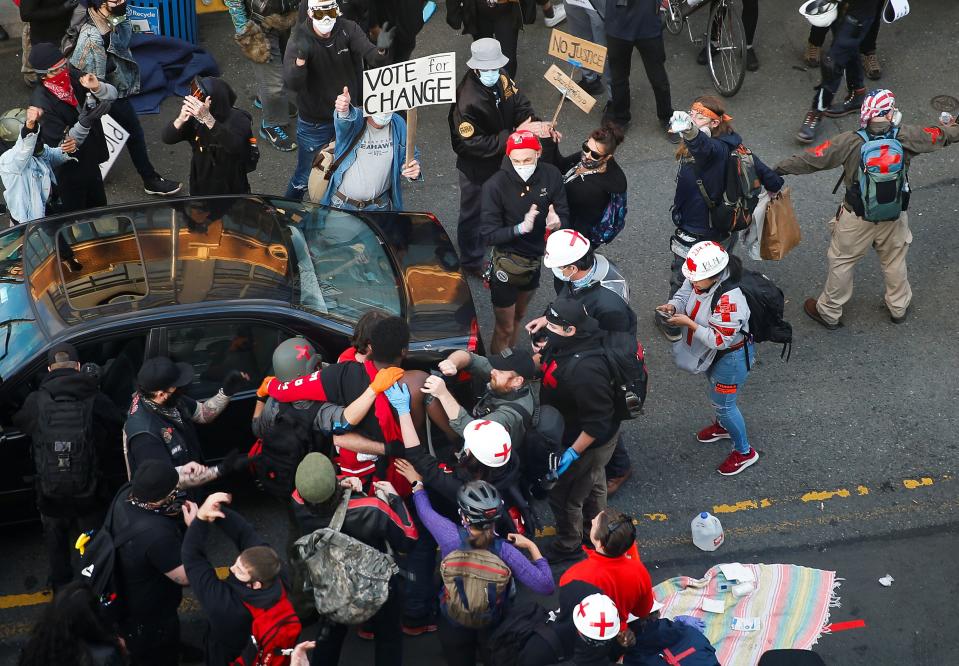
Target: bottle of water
[707,532]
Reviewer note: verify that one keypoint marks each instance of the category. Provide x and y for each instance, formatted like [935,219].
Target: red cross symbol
[885,160]
[690,264]
[481,424]
[934,133]
[821,149]
[602,625]
[581,609]
[549,380]
[505,452]
[673,660]
[575,236]
[302,351]
[725,307]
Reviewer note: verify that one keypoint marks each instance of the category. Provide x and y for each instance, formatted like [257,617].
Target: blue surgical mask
[489,77]
[382,119]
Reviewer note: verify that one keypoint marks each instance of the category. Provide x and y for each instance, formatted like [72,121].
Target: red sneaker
[419,629]
[365,634]
[712,433]
[737,462]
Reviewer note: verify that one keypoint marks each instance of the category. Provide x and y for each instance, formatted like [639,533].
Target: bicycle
[725,38]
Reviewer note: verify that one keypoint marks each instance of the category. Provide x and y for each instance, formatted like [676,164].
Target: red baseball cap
[521,140]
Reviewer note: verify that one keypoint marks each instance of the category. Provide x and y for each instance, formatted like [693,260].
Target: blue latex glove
[694,622]
[569,457]
[399,397]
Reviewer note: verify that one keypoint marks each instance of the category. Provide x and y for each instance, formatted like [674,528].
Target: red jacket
[623,579]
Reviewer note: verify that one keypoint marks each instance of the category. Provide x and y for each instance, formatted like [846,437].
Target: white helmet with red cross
[563,247]
[596,617]
[705,260]
[488,441]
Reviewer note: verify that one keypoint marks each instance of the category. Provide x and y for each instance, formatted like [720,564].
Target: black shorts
[504,295]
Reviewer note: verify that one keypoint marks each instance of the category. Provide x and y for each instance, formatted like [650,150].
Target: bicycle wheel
[727,58]
[672,18]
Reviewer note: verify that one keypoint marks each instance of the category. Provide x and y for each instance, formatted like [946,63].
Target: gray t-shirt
[369,176]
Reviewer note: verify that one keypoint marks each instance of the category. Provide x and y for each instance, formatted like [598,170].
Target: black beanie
[44,55]
[154,480]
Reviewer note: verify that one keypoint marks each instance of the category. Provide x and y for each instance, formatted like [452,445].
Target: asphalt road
[856,432]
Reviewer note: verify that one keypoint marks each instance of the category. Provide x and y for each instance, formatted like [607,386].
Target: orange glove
[385,378]
[264,390]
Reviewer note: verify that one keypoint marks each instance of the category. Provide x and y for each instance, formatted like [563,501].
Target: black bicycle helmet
[479,503]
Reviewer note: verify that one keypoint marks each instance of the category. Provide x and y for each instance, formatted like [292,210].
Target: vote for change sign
[407,85]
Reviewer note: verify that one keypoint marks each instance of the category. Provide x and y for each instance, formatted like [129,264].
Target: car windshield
[343,268]
[20,338]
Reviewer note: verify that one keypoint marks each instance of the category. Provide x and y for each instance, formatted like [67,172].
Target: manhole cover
[945,103]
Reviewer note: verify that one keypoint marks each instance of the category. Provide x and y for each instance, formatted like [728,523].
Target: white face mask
[558,273]
[524,171]
[382,119]
[324,26]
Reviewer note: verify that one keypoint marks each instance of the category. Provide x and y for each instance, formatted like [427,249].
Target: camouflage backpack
[349,579]
[476,584]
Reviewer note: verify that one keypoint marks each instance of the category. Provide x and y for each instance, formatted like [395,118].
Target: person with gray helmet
[289,430]
[161,422]
[381,521]
[489,107]
[27,171]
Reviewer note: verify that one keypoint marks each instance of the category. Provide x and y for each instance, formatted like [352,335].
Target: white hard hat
[821,13]
[563,247]
[705,260]
[596,617]
[488,441]
[323,4]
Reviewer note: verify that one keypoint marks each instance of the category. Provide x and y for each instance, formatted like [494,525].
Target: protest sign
[568,87]
[407,85]
[116,138]
[577,51]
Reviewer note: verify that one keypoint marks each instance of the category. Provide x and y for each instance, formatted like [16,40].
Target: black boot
[807,133]
[851,104]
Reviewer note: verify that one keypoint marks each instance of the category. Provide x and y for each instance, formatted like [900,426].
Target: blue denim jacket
[346,130]
[28,180]
[114,64]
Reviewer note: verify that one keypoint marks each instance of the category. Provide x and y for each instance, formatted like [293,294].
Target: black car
[217,282]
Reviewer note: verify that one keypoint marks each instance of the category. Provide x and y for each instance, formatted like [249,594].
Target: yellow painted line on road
[745,505]
[862,490]
[823,495]
[20,600]
[912,484]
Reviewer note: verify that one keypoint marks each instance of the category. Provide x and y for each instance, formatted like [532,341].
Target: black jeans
[59,535]
[842,58]
[79,187]
[386,628]
[653,53]
[817,36]
[472,249]
[123,112]
[461,644]
[501,24]
[153,641]
[750,19]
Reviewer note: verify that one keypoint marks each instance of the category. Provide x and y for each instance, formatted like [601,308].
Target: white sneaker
[559,15]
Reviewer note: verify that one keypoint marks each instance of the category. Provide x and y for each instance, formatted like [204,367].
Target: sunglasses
[318,13]
[592,153]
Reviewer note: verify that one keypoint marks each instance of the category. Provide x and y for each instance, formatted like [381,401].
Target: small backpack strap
[340,514]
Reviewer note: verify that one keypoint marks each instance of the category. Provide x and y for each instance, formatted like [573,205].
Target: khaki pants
[852,237]
[579,495]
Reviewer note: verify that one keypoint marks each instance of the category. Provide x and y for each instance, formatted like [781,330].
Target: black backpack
[64,448]
[626,359]
[507,641]
[98,557]
[766,307]
[741,189]
[277,455]
[542,447]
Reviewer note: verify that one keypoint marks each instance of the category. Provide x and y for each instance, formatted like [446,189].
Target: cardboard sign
[407,85]
[566,85]
[577,51]
[116,138]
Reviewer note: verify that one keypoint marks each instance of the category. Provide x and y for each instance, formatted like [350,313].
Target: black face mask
[589,163]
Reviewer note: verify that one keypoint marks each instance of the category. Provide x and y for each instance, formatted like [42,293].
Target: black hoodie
[107,422]
[219,153]
[506,200]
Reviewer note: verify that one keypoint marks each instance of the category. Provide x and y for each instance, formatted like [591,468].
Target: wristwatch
[416,485]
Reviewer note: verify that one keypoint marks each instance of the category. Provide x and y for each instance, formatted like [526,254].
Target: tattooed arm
[208,410]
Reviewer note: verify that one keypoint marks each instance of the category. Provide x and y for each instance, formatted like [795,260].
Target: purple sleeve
[442,529]
[534,575]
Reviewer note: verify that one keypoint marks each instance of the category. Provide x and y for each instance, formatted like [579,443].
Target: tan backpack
[476,585]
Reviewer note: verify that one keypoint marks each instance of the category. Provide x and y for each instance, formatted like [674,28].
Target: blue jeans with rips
[726,377]
[310,137]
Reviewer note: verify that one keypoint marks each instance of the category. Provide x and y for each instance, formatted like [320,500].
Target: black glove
[395,449]
[88,115]
[300,44]
[233,462]
[385,39]
[234,381]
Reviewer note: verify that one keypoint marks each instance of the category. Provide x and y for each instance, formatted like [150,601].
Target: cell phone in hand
[664,314]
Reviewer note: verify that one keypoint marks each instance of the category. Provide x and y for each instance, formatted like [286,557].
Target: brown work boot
[614,484]
[810,308]
[870,64]
[813,55]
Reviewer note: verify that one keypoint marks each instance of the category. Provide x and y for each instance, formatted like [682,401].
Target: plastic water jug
[707,531]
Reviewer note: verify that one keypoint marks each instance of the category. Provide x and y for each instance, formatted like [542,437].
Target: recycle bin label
[144,19]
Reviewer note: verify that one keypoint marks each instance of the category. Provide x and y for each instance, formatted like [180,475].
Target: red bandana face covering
[61,86]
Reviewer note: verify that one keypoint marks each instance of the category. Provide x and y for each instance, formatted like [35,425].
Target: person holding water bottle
[713,316]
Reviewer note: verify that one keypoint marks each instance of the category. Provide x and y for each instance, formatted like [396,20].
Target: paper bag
[781,229]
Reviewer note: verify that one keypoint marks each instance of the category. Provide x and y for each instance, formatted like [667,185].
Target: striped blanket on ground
[791,602]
